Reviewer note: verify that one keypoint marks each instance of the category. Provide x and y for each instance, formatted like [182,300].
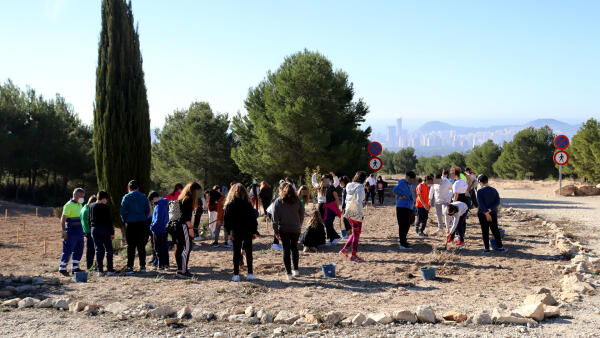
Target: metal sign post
[560,158]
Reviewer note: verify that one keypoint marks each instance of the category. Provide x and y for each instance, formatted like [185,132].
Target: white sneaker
[235,278]
[276,247]
[290,277]
[250,277]
[335,241]
[295,273]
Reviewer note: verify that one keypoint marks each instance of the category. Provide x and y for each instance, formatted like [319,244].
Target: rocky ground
[380,296]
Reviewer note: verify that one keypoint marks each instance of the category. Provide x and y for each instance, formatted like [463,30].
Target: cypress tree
[121,120]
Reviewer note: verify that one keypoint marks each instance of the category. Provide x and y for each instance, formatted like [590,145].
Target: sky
[488,62]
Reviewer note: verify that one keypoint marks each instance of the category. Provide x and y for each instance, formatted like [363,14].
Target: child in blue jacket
[160,218]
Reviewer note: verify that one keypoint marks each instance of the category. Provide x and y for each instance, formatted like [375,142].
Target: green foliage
[121,119]
[482,158]
[455,159]
[404,160]
[46,149]
[302,115]
[387,159]
[585,151]
[194,145]
[430,165]
[528,154]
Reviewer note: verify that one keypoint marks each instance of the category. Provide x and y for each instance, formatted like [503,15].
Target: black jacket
[313,236]
[100,217]
[240,218]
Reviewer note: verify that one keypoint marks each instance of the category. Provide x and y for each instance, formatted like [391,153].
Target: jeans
[381,196]
[90,252]
[439,211]
[240,243]
[184,247]
[486,226]
[403,215]
[354,237]
[137,237]
[372,194]
[162,250]
[289,241]
[72,247]
[422,217]
[103,246]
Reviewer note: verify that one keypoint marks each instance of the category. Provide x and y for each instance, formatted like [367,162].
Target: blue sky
[485,61]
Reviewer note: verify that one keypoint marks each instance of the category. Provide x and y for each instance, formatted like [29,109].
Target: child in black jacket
[314,234]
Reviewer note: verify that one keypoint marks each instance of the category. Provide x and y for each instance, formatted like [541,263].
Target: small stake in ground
[17,236]
[36,212]
[45,247]
[6,214]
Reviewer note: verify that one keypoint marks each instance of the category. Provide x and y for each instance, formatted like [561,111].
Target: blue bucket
[81,277]
[328,270]
[428,273]
[344,233]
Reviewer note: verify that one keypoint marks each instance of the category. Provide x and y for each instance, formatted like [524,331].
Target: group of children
[236,209]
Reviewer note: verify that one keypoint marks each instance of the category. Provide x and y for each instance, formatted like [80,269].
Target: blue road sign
[374,149]
[561,142]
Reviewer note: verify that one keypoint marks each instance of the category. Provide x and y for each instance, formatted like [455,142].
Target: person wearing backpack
[135,209]
[184,230]
[241,223]
[381,185]
[160,218]
[355,196]
[288,215]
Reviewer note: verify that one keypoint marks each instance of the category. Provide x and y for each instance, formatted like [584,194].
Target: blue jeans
[103,245]
[162,250]
[72,247]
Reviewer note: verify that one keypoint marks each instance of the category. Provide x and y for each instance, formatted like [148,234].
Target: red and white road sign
[561,157]
[375,164]
[561,142]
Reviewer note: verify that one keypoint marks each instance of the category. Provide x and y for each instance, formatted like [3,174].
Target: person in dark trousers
[381,185]
[422,205]
[472,187]
[344,180]
[314,235]
[488,201]
[103,233]
[287,224]
[135,209]
[158,226]
[85,225]
[266,195]
[184,232]
[241,223]
[372,188]
[457,212]
[405,204]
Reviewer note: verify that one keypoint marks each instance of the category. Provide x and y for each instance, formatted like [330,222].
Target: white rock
[184,313]
[574,284]
[11,302]
[359,319]
[236,318]
[404,316]
[116,308]
[61,304]
[27,302]
[533,311]
[46,303]
[77,306]
[219,335]
[286,317]
[278,332]
[381,318]
[266,318]
[544,298]
[426,314]
[249,312]
[551,311]
[160,312]
[332,318]
[199,314]
[501,317]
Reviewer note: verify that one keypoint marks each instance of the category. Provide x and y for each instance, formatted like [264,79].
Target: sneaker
[111,273]
[335,241]
[290,277]
[235,278]
[276,247]
[74,271]
[356,259]
[100,274]
[295,273]
[485,251]
[449,240]
[215,245]
[142,270]
[64,273]
[182,275]
[460,243]
[344,252]
[250,276]
[198,238]
[404,247]
[502,249]
[129,271]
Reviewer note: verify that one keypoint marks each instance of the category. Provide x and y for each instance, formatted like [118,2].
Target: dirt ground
[388,280]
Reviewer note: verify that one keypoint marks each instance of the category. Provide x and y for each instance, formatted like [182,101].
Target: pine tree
[121,119]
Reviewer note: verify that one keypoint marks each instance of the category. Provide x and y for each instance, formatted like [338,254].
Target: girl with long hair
[328,203]
[314,234]
[241,223]
[288,215]
[355,196]
[304,195]
[184,233]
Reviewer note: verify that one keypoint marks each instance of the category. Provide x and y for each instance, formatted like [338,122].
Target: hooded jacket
[288,217]
[160,217]
[355,191]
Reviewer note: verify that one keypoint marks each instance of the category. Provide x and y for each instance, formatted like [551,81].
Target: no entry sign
[374,149]
[561,157]
[375,164]
[561,142]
